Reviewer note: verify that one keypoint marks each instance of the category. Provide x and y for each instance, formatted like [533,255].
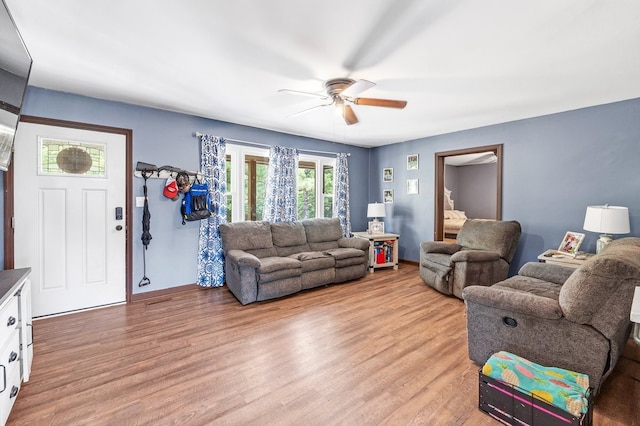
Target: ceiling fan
[342,92]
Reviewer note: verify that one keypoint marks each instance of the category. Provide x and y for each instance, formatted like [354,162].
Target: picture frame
[376,227]
[387,174]
[412,162]
[387,196]
[412,186]
[571,243]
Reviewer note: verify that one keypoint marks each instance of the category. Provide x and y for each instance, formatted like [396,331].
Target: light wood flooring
[385,349]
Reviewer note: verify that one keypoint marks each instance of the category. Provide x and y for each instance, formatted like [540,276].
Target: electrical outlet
[139,201]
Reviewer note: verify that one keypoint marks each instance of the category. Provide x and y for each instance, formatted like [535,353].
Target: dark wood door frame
[9,184]
[438,227]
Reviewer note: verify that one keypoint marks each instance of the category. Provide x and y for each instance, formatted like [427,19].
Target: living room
[554,165]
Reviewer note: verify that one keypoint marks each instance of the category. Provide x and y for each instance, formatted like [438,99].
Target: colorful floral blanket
[564,389]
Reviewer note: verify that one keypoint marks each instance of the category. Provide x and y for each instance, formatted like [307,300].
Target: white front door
[66,226]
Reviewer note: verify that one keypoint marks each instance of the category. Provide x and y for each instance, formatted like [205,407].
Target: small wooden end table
[383,249]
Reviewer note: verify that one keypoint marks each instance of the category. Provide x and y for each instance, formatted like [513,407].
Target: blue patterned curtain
[214,169]
[341,194]
[281,200]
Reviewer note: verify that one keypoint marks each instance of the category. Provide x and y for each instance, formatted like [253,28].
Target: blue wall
[166,138]
[553,167]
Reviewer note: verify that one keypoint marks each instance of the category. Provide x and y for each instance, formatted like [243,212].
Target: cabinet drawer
[8,319]
[9,375]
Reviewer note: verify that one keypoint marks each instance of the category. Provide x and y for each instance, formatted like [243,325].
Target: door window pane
[70,158]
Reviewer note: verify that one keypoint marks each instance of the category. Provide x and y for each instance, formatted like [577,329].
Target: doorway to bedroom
[468,185]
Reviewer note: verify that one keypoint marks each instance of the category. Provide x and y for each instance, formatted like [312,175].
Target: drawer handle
[11,321]
[14,392]
[13,356]
[4,378]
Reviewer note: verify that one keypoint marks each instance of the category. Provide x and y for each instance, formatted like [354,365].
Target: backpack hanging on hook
[196,202]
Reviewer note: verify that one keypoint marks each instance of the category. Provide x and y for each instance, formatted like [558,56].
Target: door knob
[119,228]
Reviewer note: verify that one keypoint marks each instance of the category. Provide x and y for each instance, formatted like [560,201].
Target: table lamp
[606,220]
[376,210]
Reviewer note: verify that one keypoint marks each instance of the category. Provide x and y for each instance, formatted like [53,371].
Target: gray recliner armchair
[480,256]
[577,319]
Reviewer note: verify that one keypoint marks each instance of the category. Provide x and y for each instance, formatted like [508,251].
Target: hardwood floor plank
[385,349]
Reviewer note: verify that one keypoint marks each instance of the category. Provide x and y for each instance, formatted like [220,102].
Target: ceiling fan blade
[348,114]
[308,109]
[357,87]
[301,93]
[387,103]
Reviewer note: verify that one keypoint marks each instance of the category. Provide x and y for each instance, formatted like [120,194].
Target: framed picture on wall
[387,174]
[412,186]
[571,242]
[412,162]
[387,195]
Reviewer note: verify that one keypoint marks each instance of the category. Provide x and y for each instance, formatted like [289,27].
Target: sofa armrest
[439,247]
[546,272]
[475,256]
[241,257]
[353,242]
[513,301]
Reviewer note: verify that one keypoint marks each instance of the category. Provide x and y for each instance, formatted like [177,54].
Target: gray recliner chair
[576,319]
[480,256]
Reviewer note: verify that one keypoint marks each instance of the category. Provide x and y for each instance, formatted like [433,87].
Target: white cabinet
[26,330]
[16,337]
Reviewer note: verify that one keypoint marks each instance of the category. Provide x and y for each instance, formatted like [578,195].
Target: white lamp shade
[607,219]
[376,210]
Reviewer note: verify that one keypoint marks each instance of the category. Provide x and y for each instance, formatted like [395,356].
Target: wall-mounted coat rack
[163,172]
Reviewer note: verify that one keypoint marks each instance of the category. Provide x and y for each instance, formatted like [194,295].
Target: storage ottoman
[516,391]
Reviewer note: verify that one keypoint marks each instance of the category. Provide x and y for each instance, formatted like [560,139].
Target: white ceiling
[459,64]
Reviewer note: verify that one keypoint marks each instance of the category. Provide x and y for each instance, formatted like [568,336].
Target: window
[247,169]
[57,157]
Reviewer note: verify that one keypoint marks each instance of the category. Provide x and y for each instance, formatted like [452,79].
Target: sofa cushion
[322,229]
[288,234]
[314,261]
[278,268]
[276,263]
[346,256]
[253,237]
[530,285]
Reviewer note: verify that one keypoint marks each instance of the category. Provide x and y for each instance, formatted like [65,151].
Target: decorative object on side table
[376,210]
[570,243]
[606,220]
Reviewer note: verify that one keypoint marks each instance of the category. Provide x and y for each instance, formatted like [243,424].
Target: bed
[453,219]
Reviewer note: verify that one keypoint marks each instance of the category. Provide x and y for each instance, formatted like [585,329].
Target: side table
[383,249]
[552,256]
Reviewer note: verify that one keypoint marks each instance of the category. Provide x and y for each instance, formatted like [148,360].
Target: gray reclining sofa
[268,260]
